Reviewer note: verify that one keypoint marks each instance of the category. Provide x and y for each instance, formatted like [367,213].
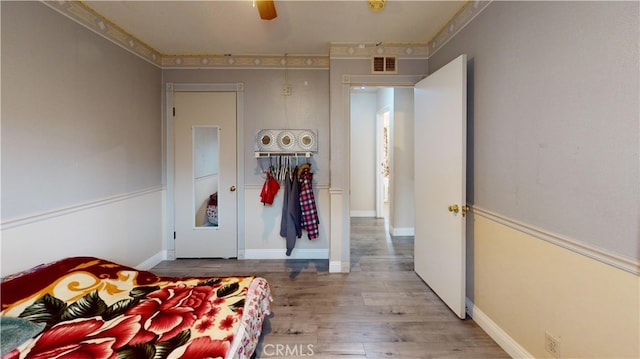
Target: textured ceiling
[303,27]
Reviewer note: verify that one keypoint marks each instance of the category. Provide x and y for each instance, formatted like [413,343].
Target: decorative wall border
[464,16]
[368,50]
[412,50]
[89,18]
[290,62]
[624,263]
[92,20]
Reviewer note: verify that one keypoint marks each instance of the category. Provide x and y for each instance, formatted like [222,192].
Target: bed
[93,308]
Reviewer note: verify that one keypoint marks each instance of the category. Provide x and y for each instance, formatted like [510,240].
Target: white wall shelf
[261,154]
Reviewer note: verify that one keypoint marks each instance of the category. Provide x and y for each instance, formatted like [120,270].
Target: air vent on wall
[380,64]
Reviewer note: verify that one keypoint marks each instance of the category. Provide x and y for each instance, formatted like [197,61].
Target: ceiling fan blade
[267,9]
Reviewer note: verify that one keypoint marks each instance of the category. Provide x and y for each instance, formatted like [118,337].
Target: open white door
[440,180]
[204,125]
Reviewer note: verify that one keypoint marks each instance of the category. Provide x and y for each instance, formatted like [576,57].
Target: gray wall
[80,116]
[266,108]
[554,117]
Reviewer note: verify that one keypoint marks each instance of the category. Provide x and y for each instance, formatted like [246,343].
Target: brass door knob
[232,188]
[454,208]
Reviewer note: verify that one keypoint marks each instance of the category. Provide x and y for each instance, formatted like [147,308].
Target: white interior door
[440,179]
[205,164]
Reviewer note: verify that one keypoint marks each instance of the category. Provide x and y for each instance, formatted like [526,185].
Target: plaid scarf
[309,218]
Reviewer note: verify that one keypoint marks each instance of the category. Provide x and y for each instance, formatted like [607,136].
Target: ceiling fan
[267,9]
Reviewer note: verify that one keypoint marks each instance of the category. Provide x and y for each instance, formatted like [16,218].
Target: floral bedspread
[93,308]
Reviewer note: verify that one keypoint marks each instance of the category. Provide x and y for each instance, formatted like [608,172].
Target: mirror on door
[206,164]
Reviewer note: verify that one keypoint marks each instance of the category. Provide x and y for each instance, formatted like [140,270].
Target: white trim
[496,333]
[207,87]
[301,253]
[350,80]
[43,216]
[152,261]
[401,232]
[240,241]
[339,267]
[627,264]
[170,255]
[367,214]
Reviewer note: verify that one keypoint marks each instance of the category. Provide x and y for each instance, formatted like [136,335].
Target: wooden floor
[381,309]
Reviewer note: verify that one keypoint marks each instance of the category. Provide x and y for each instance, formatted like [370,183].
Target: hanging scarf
[309,218]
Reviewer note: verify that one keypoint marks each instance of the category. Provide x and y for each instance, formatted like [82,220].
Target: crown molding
[462,18]
[246,61]
[89,18]
[368,50]
[411,50]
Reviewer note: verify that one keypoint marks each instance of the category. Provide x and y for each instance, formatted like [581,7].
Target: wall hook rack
[299,142]
[263,154]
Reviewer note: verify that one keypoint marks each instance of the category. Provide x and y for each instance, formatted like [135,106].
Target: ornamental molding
[89,18]
[290,62]
[461,19]
[368,50]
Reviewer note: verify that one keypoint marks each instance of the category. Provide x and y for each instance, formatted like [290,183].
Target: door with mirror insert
[205,174]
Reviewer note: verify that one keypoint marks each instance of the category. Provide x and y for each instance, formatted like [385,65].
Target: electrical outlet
[552,345]
[285,90]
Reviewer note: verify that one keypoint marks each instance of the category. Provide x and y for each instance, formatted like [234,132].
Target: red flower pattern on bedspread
[205,348]
[88,338]
[115,317]
[170,310]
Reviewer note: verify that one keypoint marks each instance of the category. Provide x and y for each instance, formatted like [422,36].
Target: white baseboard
[152,261]
[367,214]
[339,267]
[281,254]
[501,337]
[401,232]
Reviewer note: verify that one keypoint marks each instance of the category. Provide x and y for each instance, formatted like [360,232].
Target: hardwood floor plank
[430,350]
[381,309]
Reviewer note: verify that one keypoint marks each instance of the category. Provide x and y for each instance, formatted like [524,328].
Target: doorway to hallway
[381,156]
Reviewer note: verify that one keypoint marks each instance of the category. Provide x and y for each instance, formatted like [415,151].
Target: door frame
[344,249]
[167,130]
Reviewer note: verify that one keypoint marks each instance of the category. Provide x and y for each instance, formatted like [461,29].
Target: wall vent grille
[387,65]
